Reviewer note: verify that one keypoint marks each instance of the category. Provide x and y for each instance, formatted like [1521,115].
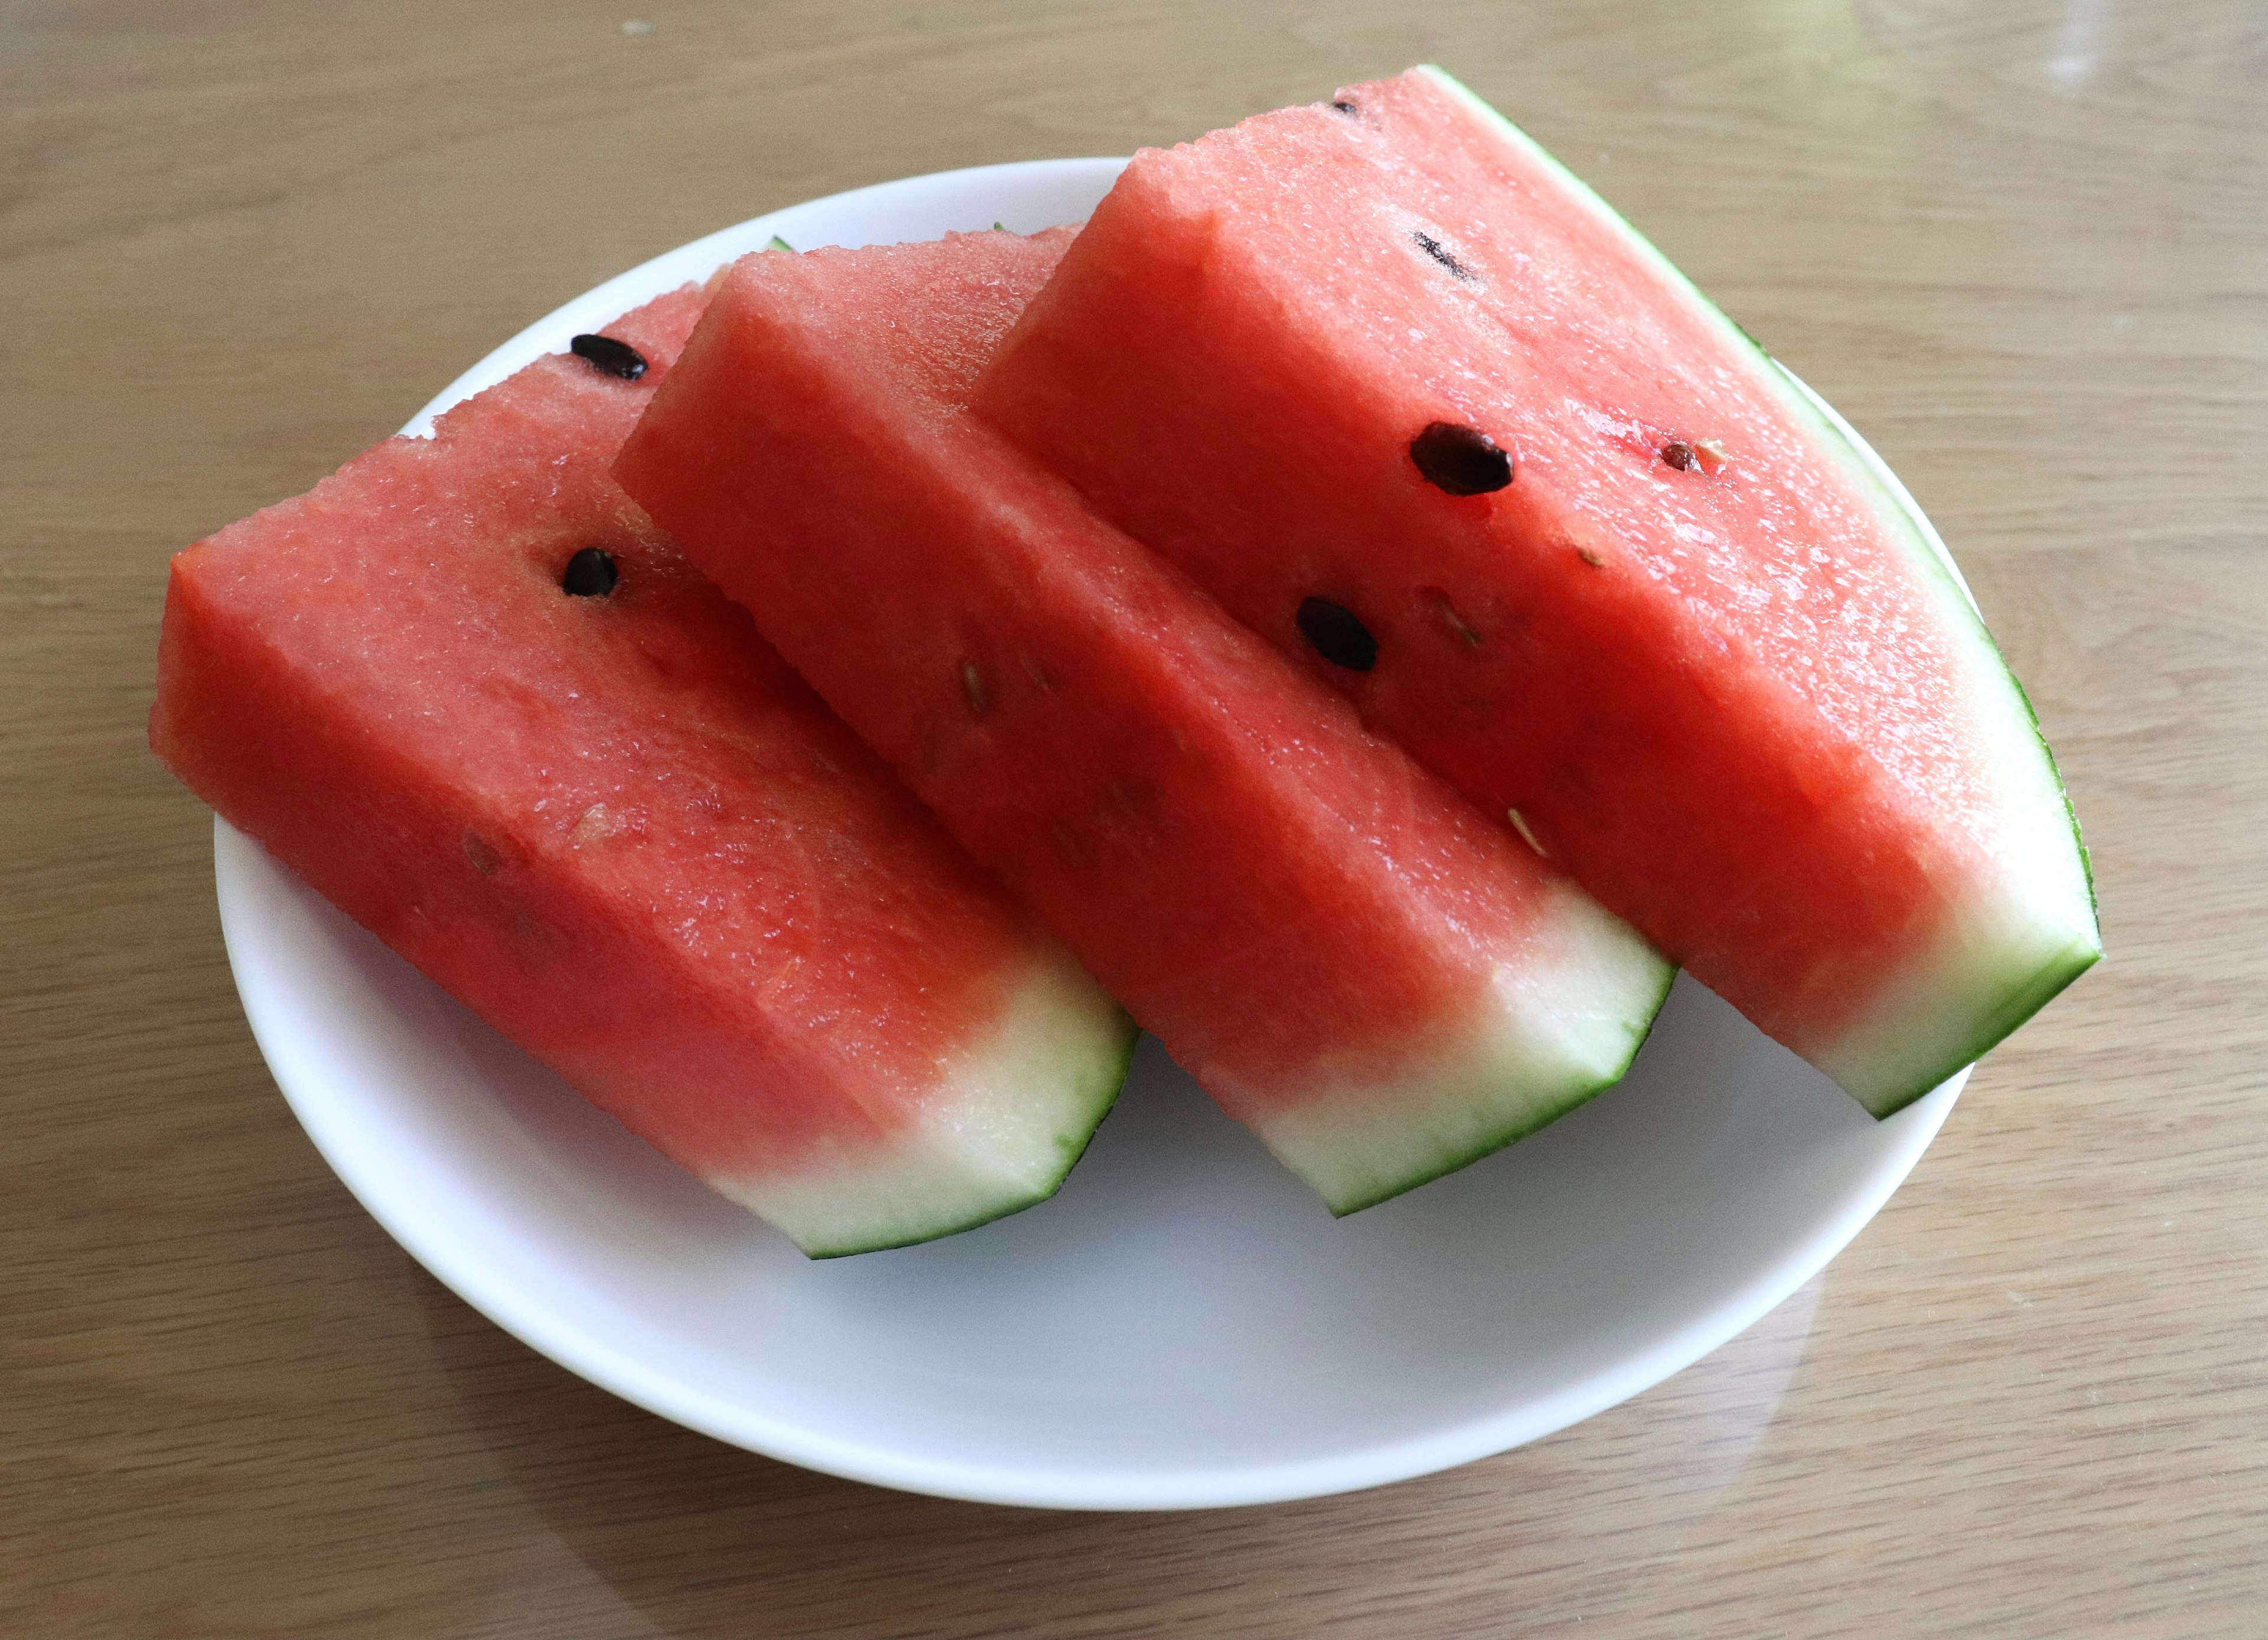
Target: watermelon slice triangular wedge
[1381,981]
[1614,574]
[471,695]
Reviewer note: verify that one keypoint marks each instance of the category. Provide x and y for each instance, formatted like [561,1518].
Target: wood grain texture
[2024,247]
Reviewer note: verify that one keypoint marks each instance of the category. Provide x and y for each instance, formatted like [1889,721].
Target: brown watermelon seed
[972,685]
[1457,622]
[480,852]
[1342,105]
[591,573]
[1337,634]
[604,354]
[1679,454]
[1520,824]
[1433,248]
[1461,460]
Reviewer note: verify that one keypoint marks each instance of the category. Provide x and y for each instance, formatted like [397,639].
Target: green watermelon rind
[1534,1119]
[1094,1096]
[1923,548]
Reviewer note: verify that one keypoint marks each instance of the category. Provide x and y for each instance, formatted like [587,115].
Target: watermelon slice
[467,691]
[1378,979]
[1615,574]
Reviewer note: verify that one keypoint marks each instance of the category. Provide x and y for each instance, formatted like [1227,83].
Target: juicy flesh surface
[1721,696]
[619,827]
[1285,899]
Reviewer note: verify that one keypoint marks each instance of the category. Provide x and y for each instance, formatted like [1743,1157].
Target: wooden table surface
[2024,247]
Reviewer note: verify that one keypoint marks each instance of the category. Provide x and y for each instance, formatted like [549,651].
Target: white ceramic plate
[1183,1324]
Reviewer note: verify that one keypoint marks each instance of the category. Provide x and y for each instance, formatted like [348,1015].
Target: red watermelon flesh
[1696,646]
[1382,982]
[620,829]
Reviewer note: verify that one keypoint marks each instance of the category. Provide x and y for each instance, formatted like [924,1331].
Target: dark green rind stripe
[1104,1091]
[1529,1122]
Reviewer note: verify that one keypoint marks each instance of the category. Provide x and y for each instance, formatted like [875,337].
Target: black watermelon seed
[615,359]
[1679,454]
[1432,247]
[591,573]
[1337,634]
[1343,106]
[1462,461]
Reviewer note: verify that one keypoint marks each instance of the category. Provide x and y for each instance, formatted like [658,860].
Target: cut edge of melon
[1919,1033]
[1010,1118]
[1550,1035]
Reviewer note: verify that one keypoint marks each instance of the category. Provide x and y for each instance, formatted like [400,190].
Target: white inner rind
[1547,1033]
[1002,1127]
[2004,955]
[2025,923]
